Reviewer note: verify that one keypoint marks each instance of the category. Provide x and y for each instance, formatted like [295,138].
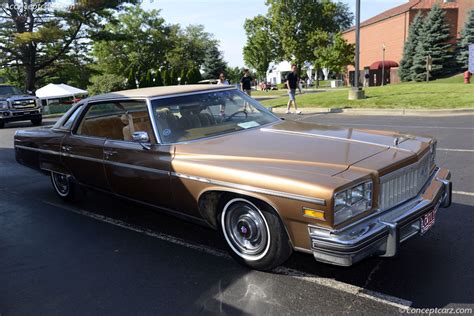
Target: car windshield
[9,90]
[191,117]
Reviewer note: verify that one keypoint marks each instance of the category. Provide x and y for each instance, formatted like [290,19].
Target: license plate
[427,221]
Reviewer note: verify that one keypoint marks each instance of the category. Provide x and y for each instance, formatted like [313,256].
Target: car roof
[159,91]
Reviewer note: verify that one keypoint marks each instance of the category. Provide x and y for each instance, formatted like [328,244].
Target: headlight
[353,201]
[3,105]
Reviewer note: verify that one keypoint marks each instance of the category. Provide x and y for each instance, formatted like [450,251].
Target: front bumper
[20,115]
[382,233]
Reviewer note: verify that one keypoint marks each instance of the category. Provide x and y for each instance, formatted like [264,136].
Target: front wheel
[65,187]
[254,234]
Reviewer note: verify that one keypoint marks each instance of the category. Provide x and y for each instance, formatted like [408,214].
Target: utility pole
[383,64]
[356,92]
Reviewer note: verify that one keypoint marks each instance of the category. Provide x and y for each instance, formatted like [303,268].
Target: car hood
[17,97]
[295,146]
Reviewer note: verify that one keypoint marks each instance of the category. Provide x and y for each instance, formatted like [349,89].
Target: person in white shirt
[222,80]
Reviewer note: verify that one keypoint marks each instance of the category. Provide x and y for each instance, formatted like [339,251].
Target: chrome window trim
[249,188]
[153,122]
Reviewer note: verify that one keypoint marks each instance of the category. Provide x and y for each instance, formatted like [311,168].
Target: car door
[139,171]
[82,150]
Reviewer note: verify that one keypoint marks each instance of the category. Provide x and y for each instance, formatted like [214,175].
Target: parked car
[15,105]
[270,186]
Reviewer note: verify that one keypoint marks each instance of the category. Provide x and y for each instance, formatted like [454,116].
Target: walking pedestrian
[292,83]
[246,82]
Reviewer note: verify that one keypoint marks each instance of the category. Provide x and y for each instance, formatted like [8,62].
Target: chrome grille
[24,104]
[404,184]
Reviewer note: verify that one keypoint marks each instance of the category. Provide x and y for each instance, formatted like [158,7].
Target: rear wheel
[66,188]
[254,233]
[37,121]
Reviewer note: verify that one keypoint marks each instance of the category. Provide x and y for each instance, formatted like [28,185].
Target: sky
[225,18]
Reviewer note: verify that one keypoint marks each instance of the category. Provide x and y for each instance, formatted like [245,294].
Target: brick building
[389,29]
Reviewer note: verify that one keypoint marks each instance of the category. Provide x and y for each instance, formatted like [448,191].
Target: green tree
[34,35]
[262,46]
[297,22]
[106,83]
[433,42]
[214,63]
[234,74]
[405,71]
[333,52]
[190,46]
[467,37]
[136,44]
[194,75]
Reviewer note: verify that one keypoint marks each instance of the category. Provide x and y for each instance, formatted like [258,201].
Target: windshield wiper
[223,132]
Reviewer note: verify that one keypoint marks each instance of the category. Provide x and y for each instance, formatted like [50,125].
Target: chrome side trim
[251,189]
[43,151]
[139,168]
[189,177]
[350,140]
[113,163]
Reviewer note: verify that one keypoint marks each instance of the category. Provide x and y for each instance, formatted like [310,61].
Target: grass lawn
[439,94]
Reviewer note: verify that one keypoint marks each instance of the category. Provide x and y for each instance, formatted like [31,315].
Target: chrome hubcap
[246,229]
[61,182]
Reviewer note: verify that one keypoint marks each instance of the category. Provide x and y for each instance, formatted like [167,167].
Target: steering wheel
[235,113]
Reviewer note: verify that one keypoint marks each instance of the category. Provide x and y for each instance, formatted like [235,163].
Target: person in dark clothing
[292,83]
[246,82]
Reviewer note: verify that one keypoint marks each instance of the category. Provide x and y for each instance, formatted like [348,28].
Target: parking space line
[463,193]
[326,282]
[457,150]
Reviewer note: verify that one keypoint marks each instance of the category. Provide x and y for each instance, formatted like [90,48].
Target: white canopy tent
[56,91]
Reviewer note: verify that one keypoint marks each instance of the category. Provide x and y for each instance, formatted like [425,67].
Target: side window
[116,120]
[72,118]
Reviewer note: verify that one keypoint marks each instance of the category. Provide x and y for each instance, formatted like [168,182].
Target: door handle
[109,153]
[66,148]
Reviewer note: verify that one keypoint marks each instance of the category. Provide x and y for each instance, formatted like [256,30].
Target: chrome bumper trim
[383,233]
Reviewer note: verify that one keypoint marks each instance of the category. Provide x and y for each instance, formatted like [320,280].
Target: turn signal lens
[317,214]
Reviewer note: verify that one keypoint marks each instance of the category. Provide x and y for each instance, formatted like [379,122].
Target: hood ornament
[396,141]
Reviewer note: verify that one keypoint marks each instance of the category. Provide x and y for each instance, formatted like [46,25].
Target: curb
[392,112]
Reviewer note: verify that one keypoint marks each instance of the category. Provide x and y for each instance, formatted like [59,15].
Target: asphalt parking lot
[107,255]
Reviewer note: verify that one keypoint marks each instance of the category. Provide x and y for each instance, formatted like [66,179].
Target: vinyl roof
[160,91]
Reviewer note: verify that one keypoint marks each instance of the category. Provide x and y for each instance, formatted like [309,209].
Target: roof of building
[160,91]
[411,4]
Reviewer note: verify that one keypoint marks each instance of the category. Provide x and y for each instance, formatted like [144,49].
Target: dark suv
[15,105]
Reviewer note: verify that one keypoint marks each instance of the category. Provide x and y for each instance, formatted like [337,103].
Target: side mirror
[142,138]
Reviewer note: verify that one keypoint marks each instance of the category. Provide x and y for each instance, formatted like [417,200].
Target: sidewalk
[390,112]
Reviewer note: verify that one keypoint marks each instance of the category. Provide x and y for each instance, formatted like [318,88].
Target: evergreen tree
[131,84]
[411,43]
[146,80]
[214,63]
[167,77]
[174,74]
[433,42]
[194,75]
[158,79]
[184,76]
[467,37]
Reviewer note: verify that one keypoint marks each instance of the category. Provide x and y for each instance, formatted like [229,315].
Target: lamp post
[383,64]
[356,92]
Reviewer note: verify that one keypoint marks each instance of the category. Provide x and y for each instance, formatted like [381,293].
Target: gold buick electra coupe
[213,155]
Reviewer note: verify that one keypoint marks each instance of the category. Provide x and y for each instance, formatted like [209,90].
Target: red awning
[387,64]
